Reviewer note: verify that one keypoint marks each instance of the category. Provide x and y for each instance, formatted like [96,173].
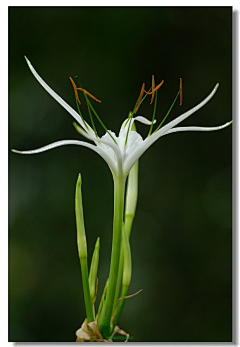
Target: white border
[4,154]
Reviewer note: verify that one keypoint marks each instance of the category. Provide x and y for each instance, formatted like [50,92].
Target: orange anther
[91,96]
[140,97]
[155,89]
[153,86]
[180,92]
[75,90]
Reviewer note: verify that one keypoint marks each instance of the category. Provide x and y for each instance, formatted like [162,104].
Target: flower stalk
[126,278]
[130,208]
[106,314]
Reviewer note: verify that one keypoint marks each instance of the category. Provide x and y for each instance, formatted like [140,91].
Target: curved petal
[155,136]
[175,130]
[125,125]
[103,154]
[88,133]
[181,118]
[73,113]
[105,140]
[144,120]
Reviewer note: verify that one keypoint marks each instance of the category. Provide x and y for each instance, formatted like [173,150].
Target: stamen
[155,89]
[180,92]
[90,107]
[78,102]
[89,110]
[90,114]
[100,121]
[91,96]
[153,86]
[75,90]
[140,97]
[145,95]
[167,113]
[130,115]
[154,112]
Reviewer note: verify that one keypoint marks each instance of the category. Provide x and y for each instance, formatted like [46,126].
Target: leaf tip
[79,180]
[98,243]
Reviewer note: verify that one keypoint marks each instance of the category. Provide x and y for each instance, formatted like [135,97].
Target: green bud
[82,249]
[81,236]
[93,269]
[127,262]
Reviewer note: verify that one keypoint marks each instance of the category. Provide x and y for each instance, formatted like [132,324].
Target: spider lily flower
[122,151]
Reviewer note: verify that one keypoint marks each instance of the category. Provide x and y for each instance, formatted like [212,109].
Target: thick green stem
[119,279]
[128,227]
[126,278]
[130,208]
[106,314]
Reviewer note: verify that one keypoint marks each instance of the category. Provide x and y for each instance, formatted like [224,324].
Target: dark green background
[181,239]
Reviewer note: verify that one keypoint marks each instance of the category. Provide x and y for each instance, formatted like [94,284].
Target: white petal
[125,124]
[135,140]
[88,133]
[144,120]
[181,118]
[175,130]
[155,136]
[103,154]
[106,144]
[59,99]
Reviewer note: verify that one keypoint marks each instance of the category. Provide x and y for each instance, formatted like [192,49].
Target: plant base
[90,333]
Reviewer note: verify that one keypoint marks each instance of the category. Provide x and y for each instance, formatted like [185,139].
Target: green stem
[119,278]
[106,314]
[126,278]
[128,226]
[130,208]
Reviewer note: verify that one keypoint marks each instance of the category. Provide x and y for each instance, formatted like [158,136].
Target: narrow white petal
[181,118]
[144,120]
[104,155]
[88,133]
[58,98]
[175,130]
[125,124]
[162,131]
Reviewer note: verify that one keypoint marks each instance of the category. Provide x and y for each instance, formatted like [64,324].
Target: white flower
[122,151]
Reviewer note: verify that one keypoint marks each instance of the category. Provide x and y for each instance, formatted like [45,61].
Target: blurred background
[181,237]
